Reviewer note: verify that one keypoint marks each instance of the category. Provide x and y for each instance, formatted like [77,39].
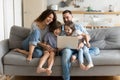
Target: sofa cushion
[106,57]
[107,38]
[16,58]
[17,35]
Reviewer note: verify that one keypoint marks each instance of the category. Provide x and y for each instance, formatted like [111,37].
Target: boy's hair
[70,24]
[57,25]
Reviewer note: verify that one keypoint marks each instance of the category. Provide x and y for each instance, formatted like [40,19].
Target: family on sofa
[46,28]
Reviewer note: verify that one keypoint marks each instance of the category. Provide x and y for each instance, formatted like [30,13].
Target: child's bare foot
[48,71]
[29,58]
[39,70]
[73,59]
[82,66]
[89,66]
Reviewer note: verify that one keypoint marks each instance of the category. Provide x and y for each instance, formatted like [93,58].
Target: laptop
[67,42]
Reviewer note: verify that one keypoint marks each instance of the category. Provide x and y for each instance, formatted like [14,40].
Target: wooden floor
[60,78]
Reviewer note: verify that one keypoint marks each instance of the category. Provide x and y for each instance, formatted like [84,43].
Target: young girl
[39,29]
[49,54]
[83,46]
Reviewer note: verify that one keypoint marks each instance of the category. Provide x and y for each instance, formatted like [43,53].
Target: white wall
[95,4]
[102,5]
[10,14]
[18,12]
[1,21]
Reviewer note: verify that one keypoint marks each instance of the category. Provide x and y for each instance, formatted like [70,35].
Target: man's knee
[66,50]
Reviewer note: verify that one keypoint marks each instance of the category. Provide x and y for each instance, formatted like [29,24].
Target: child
[83,42]
[50,40]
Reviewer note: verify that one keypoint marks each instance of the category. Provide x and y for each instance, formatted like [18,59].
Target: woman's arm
[46,46]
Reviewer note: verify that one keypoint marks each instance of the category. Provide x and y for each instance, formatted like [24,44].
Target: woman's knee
[37,53]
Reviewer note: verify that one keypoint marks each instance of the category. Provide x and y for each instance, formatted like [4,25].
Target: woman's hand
[42,44]
[47,47]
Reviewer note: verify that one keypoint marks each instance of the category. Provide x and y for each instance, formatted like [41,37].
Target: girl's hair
[70,24]
[45,14]
[57,25]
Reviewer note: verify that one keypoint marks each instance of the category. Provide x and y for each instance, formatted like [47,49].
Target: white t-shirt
[77,33]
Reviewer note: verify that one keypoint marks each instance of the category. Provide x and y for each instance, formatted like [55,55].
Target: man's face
[67,17]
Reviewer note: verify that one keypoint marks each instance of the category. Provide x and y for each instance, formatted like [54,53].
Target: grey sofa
[107,63]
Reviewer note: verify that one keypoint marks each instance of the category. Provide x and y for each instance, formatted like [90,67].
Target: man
[67,53]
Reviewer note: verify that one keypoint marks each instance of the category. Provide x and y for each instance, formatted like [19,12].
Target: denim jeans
[66,56]
[33,39]
[94,51]
[84,52]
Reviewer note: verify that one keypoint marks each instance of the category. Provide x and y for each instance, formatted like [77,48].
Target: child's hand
[88,45]
[80,37]
[59,49]
[80,45]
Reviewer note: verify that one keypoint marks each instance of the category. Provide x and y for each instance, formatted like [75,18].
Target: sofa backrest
[105,38]
[17,35]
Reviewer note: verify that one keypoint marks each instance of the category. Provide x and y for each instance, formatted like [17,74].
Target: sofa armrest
[4,48]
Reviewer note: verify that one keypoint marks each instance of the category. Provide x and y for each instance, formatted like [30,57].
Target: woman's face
[68,30]
[49,19]
[57,31]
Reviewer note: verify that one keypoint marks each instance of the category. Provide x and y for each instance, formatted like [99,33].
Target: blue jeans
[94,51]
[84,52]
[33,39]
[66,56]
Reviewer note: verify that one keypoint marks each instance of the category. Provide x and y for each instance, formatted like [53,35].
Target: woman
[39,28]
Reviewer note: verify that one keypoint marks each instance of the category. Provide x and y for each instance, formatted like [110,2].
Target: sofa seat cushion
[16,58]
[106,57]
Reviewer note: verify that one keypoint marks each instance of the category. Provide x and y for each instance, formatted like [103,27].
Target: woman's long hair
[45,14]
